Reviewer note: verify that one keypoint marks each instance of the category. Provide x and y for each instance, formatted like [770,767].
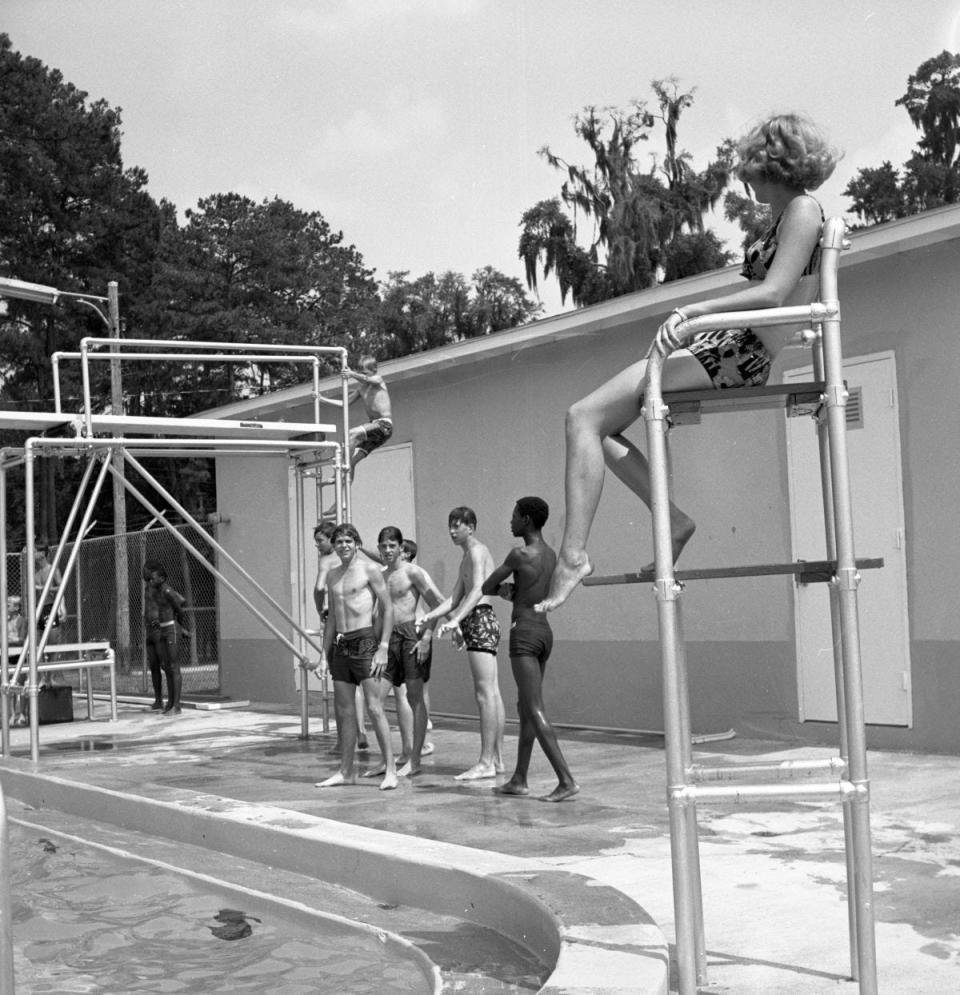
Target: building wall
[488,431]
[253,495]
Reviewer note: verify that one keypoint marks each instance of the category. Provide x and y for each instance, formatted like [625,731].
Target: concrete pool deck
[773,877]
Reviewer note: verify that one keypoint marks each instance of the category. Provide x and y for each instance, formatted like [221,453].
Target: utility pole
[121,567]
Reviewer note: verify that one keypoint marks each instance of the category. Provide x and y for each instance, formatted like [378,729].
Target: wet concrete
[773,877]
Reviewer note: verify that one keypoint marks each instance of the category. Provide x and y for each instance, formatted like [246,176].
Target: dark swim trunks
[162,632]
[402,663]
[481,630]
[372,434]
[732,357]
[531,635]
[351,660]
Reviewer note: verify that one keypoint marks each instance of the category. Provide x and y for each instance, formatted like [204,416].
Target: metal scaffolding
[318,451]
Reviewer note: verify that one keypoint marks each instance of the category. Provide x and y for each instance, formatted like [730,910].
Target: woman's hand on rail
[666,340]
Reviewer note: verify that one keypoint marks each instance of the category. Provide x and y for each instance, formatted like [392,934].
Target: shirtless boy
[327,559]
[473,625]
[164,614]
[351,651]
[372,391]
[531,640]
[410,649]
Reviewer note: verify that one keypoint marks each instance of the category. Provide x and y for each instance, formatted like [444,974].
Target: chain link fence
[92,613]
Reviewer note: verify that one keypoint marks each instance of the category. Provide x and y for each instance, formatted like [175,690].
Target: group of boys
[374,639]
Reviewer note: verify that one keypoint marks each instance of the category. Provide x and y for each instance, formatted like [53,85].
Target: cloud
[348,17]
[397,126]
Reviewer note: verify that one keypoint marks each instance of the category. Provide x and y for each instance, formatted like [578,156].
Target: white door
[382,493]
[873,443]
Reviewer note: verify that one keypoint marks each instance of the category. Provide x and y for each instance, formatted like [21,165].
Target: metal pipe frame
[682,794]
[14,457]
[238,352]
[780,768]
[67,572]
[847,581]
[163,492]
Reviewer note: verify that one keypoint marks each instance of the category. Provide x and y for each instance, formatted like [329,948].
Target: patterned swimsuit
[735,357]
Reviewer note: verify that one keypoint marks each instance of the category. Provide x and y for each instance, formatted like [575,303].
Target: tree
[646,225]
[239,271]
[933,102]
[931,176]
[71,216]
[431,311]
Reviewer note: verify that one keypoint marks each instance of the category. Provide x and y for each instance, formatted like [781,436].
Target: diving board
[215,428]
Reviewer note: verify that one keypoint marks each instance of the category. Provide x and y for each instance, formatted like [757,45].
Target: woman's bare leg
[630,466]
[605,412]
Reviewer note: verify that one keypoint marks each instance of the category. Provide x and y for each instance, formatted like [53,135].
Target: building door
[382,493]
[873,442]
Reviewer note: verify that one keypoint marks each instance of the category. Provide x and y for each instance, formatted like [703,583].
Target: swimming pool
[86,920]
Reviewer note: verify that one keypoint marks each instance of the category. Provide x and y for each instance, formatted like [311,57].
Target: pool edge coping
[596,937]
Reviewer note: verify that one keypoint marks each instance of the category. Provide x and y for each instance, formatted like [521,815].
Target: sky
[413,126]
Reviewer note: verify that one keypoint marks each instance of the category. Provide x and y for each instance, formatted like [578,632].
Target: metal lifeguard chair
[845,776]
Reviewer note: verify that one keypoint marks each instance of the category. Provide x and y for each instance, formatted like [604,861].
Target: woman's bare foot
[680,537]
[512,787]
[389,781]
[566,576]
[561,793]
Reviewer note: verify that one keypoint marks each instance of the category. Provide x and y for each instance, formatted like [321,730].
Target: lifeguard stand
[845,776]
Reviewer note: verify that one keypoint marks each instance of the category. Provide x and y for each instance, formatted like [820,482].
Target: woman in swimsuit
[780,160]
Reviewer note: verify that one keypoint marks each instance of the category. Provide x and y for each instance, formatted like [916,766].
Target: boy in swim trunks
[473,625]
[408,664]
[355,655]
[327,560]
[531,640]
[378,428]
[164,611]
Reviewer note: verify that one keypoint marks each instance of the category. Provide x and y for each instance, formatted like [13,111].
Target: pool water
[88,921]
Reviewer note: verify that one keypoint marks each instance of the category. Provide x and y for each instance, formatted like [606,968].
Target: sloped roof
[867,245]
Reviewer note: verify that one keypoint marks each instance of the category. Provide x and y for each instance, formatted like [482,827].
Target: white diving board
[218,428]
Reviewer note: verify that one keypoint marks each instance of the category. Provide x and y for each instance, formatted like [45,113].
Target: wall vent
[855,407]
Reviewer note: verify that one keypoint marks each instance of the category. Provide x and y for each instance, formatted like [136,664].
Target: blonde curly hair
[788,149]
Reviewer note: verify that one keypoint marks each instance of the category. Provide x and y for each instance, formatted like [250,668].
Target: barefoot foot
[389,781]
[512,787]
[566,576]
[680,537]
[335,781]
[561,793]
[375,771]
[477,772]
